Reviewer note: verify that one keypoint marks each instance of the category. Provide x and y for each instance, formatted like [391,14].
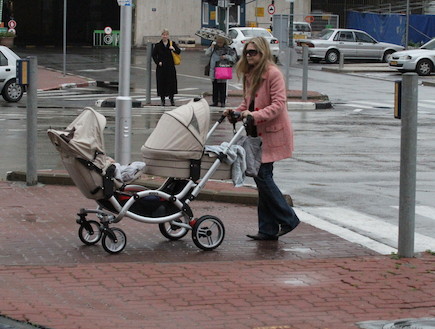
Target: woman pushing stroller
[265,101]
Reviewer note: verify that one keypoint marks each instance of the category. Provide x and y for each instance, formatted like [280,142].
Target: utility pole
[64,36]
[123,101]
[407,25]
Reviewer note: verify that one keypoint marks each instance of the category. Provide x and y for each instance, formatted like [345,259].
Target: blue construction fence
[391,27]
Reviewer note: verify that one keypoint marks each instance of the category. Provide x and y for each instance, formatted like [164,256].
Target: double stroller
[175,149]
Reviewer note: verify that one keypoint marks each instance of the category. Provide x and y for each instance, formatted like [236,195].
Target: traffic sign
[108,39]
[12,24]
[108,30]
[12,31]
[126,3]
[271,9]
[309,19]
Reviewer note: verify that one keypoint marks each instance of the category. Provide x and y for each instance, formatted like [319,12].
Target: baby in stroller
[179,156]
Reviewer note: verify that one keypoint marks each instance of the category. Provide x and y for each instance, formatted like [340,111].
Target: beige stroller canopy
[180,133]
[83,137]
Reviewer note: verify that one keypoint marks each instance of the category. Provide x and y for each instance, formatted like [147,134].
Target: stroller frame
[207,231]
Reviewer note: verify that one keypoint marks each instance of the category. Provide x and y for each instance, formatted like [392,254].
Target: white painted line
[386,104]
[344,233]
[301,106]
[358,105]
[425,211]
[371,226]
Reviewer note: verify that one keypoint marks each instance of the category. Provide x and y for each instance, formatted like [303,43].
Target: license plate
[393,63]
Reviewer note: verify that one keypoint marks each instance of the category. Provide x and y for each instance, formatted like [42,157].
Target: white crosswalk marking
[425,211]
[83,95]
[374,233]
[423,105]
[344,232]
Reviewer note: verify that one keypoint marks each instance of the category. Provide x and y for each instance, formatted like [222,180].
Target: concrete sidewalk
[51,79]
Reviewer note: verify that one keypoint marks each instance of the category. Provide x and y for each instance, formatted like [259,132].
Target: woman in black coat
[166,75]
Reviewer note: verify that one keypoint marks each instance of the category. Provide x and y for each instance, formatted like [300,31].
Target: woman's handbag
[223,72]
[176,57]
[207,69]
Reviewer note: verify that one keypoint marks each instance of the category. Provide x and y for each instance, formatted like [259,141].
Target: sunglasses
[251,52]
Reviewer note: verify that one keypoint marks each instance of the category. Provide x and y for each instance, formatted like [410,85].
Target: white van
[301,30]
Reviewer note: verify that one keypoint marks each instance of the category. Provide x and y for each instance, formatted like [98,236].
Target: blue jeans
[273,209]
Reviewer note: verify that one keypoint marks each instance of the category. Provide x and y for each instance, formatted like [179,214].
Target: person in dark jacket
[166,75]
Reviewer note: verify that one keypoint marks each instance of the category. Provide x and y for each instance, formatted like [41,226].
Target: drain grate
[423,323]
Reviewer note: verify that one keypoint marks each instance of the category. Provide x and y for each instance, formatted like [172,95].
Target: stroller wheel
[172,231]
[208,232]
[89,232]
[114,240]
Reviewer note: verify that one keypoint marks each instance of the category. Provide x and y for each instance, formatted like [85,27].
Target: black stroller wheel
[173,232]
[114,240]
[89,232]
[208,232]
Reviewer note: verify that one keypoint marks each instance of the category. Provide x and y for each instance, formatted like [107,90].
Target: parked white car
[353,44]
[10,90]
[421,60]
[241,35]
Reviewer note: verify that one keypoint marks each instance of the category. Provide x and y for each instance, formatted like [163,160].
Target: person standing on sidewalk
[166,75]
[219,53]
[265,101]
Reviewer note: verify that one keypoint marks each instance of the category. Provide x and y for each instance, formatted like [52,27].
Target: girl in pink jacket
[265,100]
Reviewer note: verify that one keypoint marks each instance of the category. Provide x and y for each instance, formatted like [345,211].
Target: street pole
[407,25]
[32,122]
[290,45]
[64,36]
[305,73]
[123,101]
[148,81]
[408,167]
[1,11]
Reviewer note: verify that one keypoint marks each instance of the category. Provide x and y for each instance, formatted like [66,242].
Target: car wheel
[387,55]
[12,91]
[332,56]
[424,67]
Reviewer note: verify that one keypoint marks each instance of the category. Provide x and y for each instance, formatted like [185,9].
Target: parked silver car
[421,60]
[353,44]
[242,34]
[10,90]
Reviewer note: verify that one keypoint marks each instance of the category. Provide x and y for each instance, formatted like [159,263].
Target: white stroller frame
[207,231]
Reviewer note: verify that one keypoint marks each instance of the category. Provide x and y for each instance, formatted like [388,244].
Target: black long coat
[166,75]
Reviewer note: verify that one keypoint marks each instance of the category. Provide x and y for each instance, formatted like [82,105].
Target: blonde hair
[165,31]
[256,72]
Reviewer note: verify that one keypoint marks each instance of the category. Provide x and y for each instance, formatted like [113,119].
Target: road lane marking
[371,226]
[344,233]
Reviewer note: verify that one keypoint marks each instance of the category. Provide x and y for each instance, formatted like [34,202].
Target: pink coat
[271,117]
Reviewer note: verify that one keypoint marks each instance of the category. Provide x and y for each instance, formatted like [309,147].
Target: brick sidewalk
[307,279]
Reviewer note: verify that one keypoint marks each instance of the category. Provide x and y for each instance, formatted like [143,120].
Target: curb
[207,194]
[111,102]
[308,105]
[78,85]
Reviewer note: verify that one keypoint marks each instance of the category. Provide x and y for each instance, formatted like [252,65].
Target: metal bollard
[149,60]
[408,167]
[341,61]
[32,122]
[305,73]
